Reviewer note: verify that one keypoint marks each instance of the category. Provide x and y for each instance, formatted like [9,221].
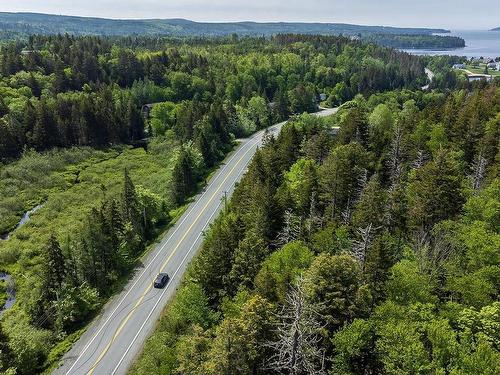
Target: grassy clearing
[71,190]
[70,183]
[480,70]
[29,181]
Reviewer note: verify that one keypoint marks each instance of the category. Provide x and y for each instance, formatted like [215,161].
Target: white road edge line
[176,271]
[152,260]
[163,293]
[170,237]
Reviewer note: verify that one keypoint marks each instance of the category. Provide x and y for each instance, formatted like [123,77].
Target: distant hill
[35,23]
[496,29]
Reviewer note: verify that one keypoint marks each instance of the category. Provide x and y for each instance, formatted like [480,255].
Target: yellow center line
[117,332]
[139,301]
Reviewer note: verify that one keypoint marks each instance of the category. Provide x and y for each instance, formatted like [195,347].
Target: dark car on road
[161,280]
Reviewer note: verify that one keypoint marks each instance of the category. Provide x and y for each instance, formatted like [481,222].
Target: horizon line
[249,21]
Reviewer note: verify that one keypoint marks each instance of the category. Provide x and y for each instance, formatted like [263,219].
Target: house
[322,97]
[28,51]
[498,66]
[146,110]
[459,66]
[492,65]
[479,77]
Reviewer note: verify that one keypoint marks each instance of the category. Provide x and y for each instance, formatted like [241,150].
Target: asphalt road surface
[430,77]
[116,336]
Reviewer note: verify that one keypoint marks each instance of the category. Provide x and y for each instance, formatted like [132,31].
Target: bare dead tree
[478,171]
[396,168]
[420,160]
[297,348]
[391,202]
[362,181]
[396,157]
[421,243]
[315,219]
[291,228]
[363,244]
[267,138]
[431,251]
[347,212]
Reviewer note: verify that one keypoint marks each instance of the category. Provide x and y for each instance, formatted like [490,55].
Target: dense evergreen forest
[107,181]
[60,91]
[374,249]
[417,41]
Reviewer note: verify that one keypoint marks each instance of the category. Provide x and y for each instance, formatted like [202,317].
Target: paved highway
[430,77]
[117,335]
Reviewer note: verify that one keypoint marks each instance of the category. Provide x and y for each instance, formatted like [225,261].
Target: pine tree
[4,109]
[55,264]
[28,122]
[289,146]
[61,82]
[182,177]
[435,192]
[135,121]
[370,208]
[339,175]
[205,150]
[34,85]
[9,147]
[132,211]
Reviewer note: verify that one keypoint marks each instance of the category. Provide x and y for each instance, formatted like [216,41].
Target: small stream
[24,219]
[11,293]
[5,278]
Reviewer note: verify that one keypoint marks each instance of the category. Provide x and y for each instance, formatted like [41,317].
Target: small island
[495,29]
[417,41]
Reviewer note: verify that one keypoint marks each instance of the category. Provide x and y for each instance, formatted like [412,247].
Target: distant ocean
[478,43]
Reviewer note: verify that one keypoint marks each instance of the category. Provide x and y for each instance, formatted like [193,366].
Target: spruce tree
[135,122]
[55,264]
[182,177]
[132,212]
[28,122]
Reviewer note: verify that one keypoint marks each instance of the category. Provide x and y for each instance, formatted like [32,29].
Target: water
[478,43]
[11,293]
[23,221]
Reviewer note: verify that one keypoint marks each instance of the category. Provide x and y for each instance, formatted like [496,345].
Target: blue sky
[453,14]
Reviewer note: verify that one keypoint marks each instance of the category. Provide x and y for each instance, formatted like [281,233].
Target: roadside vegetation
[372,251]
[73,139]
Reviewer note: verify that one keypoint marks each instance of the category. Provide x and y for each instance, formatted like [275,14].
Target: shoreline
[479,43]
